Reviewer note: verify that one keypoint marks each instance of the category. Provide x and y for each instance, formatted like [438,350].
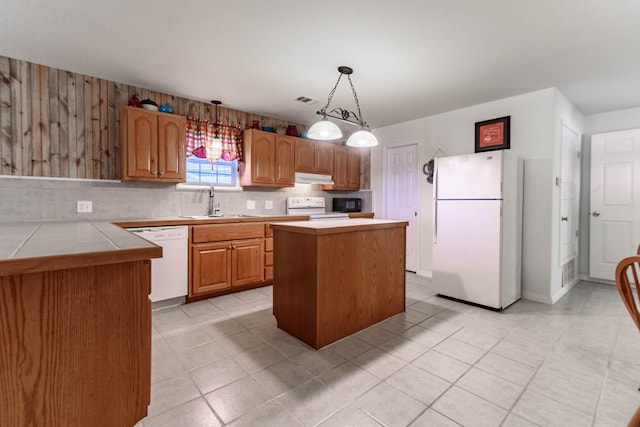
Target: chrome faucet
[213,209]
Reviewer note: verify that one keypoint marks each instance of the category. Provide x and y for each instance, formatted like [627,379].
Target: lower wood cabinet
[221,265]
[226,256]
[230,257]
[211,267]
[268,253]
[247,266]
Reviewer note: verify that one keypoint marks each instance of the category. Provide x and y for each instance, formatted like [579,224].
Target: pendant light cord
[355,96]
[215,123]
[333,91]
[345,113]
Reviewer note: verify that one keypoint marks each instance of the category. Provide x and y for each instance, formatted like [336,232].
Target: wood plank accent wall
[55,123]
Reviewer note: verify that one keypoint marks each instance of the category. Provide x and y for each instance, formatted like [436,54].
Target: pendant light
[325,130]
[214,147]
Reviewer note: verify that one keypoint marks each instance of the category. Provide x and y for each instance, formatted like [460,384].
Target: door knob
[596,213]
[565,218]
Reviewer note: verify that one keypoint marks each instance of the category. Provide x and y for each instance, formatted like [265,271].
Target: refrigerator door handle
[435,203]
[435,221]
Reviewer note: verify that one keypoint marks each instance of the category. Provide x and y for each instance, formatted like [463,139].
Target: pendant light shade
[324,130]
[362,138]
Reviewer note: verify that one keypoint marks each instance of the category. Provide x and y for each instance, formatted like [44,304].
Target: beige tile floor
[224,362]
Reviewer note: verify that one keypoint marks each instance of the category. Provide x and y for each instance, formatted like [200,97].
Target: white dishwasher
[168,274]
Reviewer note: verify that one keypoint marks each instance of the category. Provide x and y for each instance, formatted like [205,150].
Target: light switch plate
[268,204]
[251,204]
[84,206]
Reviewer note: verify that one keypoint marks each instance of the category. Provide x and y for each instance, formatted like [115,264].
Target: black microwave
[347,204]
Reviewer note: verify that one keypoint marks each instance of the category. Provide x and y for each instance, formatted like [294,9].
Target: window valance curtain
[201,140]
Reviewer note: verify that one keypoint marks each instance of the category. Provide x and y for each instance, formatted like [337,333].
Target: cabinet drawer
[268,272]
[268,258]
[268,232]
[268,244]
[220,232]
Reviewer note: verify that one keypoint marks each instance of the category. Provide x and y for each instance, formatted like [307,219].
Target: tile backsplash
[25,199]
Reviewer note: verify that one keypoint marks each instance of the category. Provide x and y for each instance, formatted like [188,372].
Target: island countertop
[332,226]
[29,247]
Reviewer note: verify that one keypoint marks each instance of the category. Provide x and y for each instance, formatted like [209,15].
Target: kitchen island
[75,324]
[333,278]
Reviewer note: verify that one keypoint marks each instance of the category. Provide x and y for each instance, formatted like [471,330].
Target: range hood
[313,178]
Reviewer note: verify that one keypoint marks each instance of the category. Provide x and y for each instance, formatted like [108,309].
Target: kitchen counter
[333,278]
[196,220]
[75,324]
[29,247]
[332,226]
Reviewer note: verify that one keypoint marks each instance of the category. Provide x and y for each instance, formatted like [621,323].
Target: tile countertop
[333,226]
[197,220]
[29,247]
[33,246]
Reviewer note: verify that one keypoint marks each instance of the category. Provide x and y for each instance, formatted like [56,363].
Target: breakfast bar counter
[333,278]
[75,324]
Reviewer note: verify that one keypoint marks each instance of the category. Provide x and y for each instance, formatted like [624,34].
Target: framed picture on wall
[493,134]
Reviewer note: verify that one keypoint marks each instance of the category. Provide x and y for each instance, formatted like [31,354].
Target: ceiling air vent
[305,100]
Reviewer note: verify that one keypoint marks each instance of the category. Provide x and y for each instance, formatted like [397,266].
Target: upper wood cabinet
[153,145]
[268,159]
[314,157]
[346,169]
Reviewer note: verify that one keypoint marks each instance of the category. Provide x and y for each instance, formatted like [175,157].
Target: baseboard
[587,278]
[532,296]
[425,273]
[546,299]
[566,288]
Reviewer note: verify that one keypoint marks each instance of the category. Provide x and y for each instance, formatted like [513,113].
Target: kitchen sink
[220,216]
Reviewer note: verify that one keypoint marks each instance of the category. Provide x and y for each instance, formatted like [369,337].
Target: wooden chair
[627,272]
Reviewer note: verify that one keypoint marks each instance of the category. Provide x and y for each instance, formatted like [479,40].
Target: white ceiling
[411,58]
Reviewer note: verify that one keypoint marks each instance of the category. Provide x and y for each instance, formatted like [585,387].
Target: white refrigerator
[478,228]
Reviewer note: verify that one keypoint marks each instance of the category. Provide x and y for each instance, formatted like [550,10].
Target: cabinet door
[353,169]
[340,165]
[248,262]
[304,156]
[211,267]
[323,159]
[171,148]
[263,158]
[141,146]
[284,161]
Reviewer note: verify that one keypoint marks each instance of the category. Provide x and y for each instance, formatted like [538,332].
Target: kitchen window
[220,173]
[213,152]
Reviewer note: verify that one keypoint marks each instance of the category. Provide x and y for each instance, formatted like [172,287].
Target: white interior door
[402,198]
[569,191]
[615,200]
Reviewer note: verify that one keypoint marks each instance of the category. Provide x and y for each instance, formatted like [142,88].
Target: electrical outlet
[85,206]
[251,204]
[268,204]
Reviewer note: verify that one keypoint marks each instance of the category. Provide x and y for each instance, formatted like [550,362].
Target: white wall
[534,137]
